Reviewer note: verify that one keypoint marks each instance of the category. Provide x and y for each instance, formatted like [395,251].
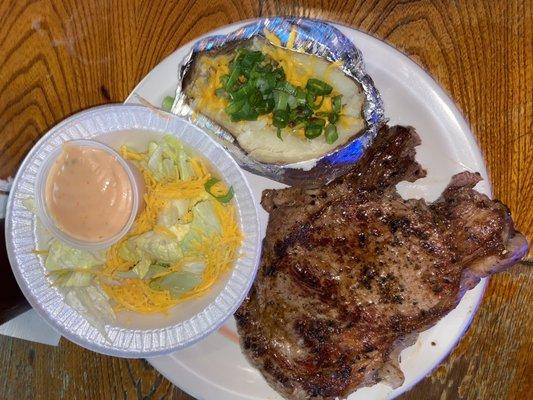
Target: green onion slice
[314,128]
[280,118]
[331,134]
[311,98]
[333,118]
[234,106]
[336,102]
[318,87]
[233,78]
[226,198]
[280,99]
[168,101]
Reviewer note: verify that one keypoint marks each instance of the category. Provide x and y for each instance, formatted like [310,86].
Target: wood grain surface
[60,56]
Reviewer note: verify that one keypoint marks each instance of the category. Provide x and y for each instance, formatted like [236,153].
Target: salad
[183,240]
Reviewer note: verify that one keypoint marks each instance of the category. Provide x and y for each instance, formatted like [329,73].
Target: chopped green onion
[265,107]
[280,99]
[292,102]
[255,98]
[227,197]
[242,93]
[210,183]
[280,118]
[259,69]
[314,128]
[306,112]
[252,57]
[318,87]
[168,101]
[311,98]
[246,113]
[279,73]
[333,118]
[266,83]
[224,198]
[331,134]
[256,85]
[336,101]
[287,88]
[313,131]
[300,97]
[234,106]
[233,78]
[318,121]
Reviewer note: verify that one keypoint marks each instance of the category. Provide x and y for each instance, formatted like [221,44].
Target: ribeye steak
[351,272]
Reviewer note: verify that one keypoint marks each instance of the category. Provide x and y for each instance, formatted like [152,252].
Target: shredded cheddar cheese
[218,252]
[40,252]
[272,37]
[291,39]
[217,67]
[136,295]
[130,154]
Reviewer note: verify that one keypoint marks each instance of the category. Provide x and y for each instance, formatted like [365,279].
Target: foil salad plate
[312,37]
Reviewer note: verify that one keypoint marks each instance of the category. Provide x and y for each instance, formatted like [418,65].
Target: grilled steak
[351,272]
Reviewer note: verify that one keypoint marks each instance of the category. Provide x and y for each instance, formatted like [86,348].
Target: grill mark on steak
[351,272]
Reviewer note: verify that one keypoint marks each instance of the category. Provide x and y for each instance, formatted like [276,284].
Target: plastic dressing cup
[46,216]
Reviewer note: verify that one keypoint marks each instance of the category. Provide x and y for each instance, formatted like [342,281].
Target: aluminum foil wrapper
[312,37]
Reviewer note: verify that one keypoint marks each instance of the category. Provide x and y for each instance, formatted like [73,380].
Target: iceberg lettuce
[174,212]
[155,270]
[93,304]
[67,264]
[167,158]
[62,257]
[205,218]
[195,267]
[142,267]
[153,246]
[75,279]
[176,283]
[204,223]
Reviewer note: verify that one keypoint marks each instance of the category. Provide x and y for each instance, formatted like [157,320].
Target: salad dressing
[88,193]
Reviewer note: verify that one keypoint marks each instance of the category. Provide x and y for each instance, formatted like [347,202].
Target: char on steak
[351,272]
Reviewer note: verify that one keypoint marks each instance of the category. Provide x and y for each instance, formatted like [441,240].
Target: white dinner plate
[215,368]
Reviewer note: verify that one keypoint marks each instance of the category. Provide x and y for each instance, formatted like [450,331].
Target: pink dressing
[88,193]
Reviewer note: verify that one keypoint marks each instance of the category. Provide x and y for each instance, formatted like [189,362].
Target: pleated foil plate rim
[314,37]
[48,301]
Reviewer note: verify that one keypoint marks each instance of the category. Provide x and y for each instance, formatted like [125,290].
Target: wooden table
[58,57]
